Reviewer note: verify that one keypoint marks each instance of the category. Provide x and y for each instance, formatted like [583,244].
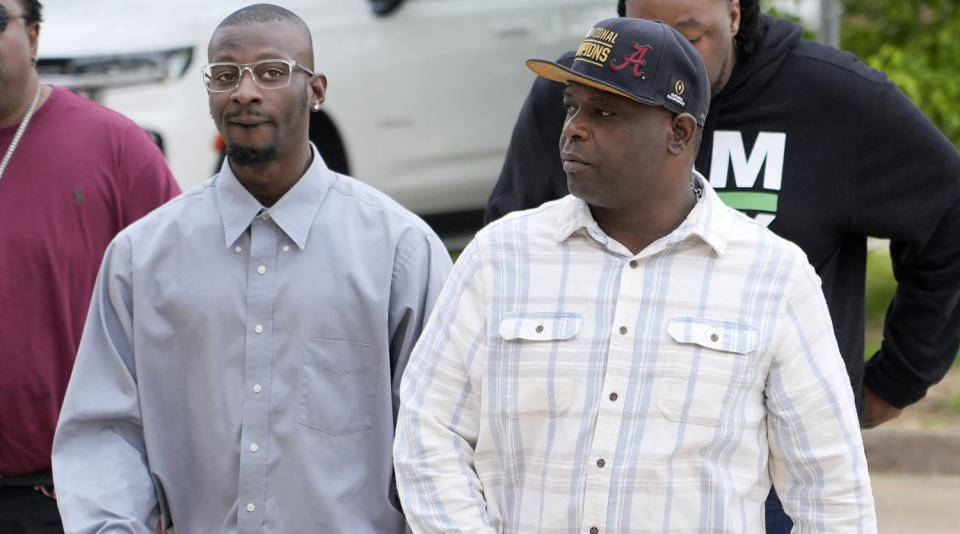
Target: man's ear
[734,13]
[683,129]
[318,86]
[33,34]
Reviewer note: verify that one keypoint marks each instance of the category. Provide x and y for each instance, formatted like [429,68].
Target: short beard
[246,157]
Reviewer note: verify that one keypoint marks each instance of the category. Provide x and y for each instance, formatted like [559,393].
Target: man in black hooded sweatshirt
[823,150]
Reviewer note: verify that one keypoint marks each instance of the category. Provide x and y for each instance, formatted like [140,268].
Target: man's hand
[876,410]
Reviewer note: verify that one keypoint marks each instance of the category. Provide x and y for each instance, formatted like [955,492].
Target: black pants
[778,522]
[24,510]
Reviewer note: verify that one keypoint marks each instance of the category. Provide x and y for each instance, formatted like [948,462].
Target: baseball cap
[643,60]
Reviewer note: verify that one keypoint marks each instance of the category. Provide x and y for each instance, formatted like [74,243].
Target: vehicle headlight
[93,72]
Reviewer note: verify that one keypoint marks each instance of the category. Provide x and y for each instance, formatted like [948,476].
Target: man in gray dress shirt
[239,367]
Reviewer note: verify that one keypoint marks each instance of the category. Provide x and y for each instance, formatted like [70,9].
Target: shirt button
[614,397]
[634,264]
[238,249]
[251,507]
[594,530]
[601,462]
[254,447]
[257,388]
[265,217]
[714,338]
[623,330]
[539,328]
[286,248]
[261,269]
[258,329]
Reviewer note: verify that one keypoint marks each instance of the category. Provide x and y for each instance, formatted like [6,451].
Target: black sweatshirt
[826,151]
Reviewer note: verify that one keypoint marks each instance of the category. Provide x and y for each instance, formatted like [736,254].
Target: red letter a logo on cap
[636,59]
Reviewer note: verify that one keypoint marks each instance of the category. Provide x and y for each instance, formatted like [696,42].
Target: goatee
[245,157]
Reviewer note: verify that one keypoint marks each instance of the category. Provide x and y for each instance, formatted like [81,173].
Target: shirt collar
[574,215]
[708,220]
[294,212]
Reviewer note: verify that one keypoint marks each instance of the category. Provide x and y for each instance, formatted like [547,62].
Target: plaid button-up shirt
[564,385]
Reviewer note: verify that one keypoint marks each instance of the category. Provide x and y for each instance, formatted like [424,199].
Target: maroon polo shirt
[79,175]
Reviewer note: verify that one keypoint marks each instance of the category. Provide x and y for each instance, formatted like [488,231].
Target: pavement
[909,504]
[913,452]
[915,466]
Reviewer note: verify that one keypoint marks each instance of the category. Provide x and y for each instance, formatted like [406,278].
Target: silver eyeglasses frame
[292,64]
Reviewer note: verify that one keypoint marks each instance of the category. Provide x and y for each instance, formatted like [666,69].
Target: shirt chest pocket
[338,384]
[707,360]
[536,377]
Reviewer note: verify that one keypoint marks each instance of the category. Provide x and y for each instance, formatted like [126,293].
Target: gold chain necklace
[20,130]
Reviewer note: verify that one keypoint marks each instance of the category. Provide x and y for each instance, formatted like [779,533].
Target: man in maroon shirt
[72,175]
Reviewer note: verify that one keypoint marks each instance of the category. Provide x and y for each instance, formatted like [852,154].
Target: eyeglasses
[5,18]
[266,74]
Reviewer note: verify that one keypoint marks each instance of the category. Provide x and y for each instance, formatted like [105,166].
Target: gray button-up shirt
[239,366]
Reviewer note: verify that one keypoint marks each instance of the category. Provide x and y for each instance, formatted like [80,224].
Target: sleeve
[149,182]
[419,273]
[99,458]
[907,188]
[439,416]
[817,461]
[532,172]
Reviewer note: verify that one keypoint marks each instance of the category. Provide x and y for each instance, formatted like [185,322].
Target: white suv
[422,94]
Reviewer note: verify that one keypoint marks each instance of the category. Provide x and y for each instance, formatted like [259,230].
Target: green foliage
[775,12]
[917,43]
[951,404]
[880,283]
[879,291]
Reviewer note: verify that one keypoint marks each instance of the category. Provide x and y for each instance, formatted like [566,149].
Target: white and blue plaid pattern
[565,384]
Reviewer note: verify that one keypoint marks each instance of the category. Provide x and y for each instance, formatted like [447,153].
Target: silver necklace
[20,130]
[697,190]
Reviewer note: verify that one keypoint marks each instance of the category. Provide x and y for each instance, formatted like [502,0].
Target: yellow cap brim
[559,73]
